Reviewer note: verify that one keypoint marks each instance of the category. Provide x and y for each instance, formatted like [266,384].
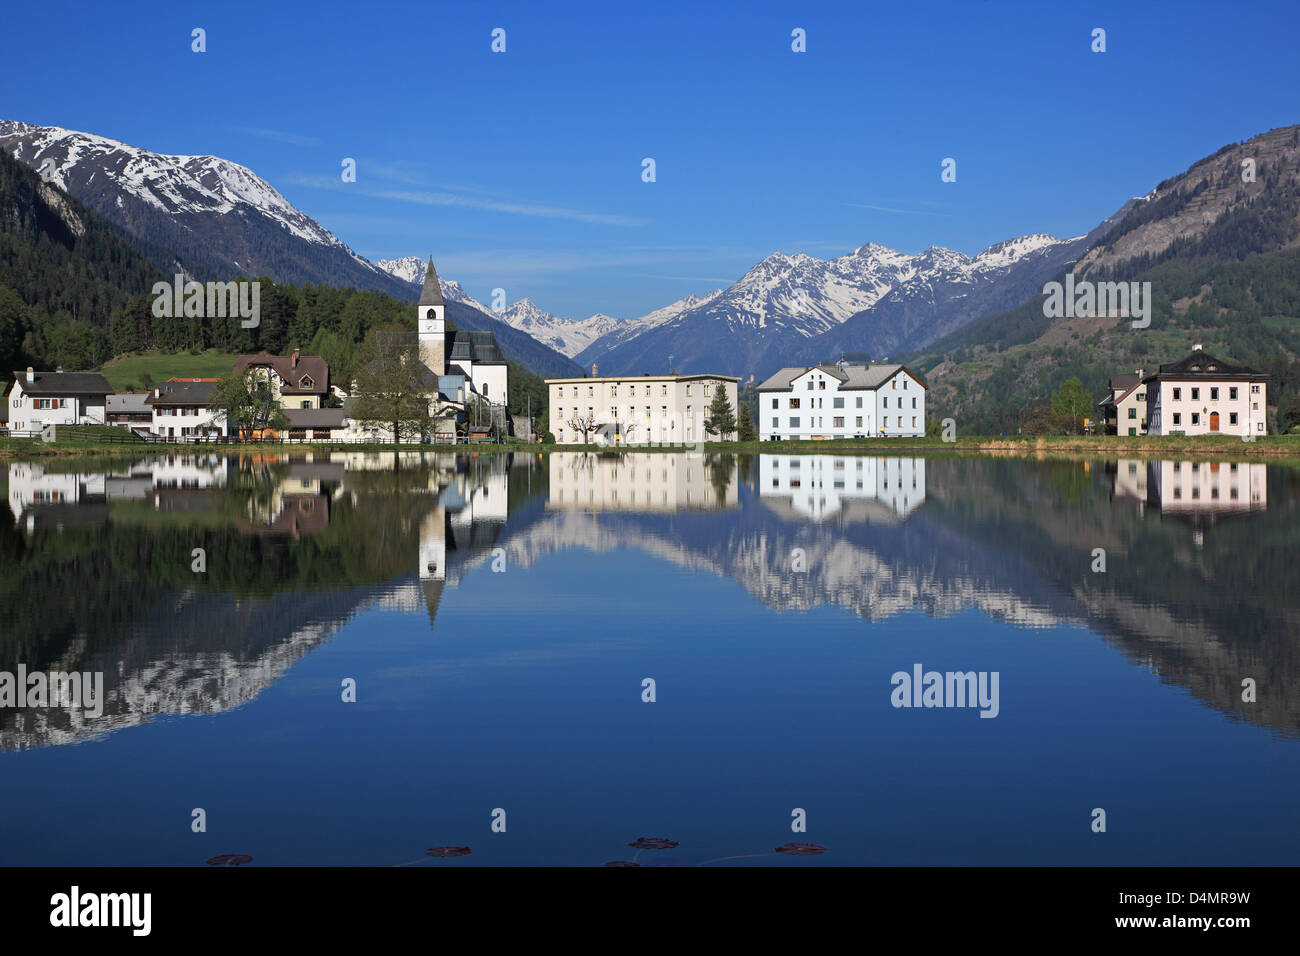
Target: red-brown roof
[308,365]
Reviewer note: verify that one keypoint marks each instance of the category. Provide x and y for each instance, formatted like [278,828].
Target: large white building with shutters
[841,401]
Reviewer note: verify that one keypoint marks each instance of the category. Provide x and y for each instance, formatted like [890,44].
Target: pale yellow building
[637,409]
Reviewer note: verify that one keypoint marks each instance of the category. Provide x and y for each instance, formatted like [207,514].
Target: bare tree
[586,425]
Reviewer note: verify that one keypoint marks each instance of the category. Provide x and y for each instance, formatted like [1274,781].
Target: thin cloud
[649,275]
[280,136]
[427,198]
[901,212]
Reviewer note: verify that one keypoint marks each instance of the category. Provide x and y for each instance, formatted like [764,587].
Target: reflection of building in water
[37,495]
[641,482]
[854,488]
[471,510]
[1193,487]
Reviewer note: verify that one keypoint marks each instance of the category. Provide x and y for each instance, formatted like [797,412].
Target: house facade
[841,401]
[37,399]
[1124,409]
[297,380]
[1201,395]
[637,410]
[180,410]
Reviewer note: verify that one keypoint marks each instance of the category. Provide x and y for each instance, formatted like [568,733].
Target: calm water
[499,615]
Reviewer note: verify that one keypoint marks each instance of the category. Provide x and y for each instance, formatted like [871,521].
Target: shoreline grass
[1267,447]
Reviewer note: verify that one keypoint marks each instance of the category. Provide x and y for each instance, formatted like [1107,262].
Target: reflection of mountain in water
[177,642]
[1200,586]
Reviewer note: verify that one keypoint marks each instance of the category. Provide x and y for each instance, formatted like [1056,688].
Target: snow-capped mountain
[412,268]
[874,299]
[568,336]
[208,216]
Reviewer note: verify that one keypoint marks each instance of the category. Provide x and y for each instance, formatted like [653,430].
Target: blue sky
[522,170]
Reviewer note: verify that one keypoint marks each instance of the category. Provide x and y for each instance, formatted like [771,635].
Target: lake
[351,658]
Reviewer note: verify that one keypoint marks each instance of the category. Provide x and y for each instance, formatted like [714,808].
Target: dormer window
[306,382]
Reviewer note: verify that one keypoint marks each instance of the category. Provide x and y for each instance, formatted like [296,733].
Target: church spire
[431,294]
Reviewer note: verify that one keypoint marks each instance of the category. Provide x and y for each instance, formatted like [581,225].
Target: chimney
[594,373]
[1198,347]
[294,363]
[157,392]
[31,374]
[1139,373]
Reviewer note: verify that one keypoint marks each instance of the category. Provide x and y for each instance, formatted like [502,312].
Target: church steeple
[431,322]
[431,294]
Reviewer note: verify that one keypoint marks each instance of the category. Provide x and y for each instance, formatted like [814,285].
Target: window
[837,421]
[913,421]
[1196,394]
[914,403]
[821,384]
[663,389]
[1196,418]
[306,402]
[1214,394]
[900,421]
[306,382]
[1232,418]
[774,403]
[837,403]
[859,421]
[613,391]
[794,422]
[1142,396]
[688,388]
[1178,394]
[859,401]
[1254,390]
[886,401]
[1232,393]
[904,384]
[776,423]
[810,385]
[794,403]
[894,384]
[1132,413]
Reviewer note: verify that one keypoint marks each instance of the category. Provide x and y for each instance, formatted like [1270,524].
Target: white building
[844,487]
[841,401]
[180,409]
[1201,395]
[637,410]
[473,356]
[38,399]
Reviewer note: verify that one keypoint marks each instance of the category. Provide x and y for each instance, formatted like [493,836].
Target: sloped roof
[1201,364]
[431,294]
[314,417]
[308,365]
[850,376]
[126,402]
[64,383]
[1125,381]
[198,392]
[473,346]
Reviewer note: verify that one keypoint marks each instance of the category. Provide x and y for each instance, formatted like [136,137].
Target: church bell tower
[432,323]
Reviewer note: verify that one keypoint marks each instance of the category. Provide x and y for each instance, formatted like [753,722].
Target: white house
[1201,395]
[842,401]
[38,399]
[180,409]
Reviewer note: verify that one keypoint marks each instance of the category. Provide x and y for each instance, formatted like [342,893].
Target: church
[465,362]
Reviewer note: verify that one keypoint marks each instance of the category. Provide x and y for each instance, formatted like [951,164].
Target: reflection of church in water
[852,488]
[464,525]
